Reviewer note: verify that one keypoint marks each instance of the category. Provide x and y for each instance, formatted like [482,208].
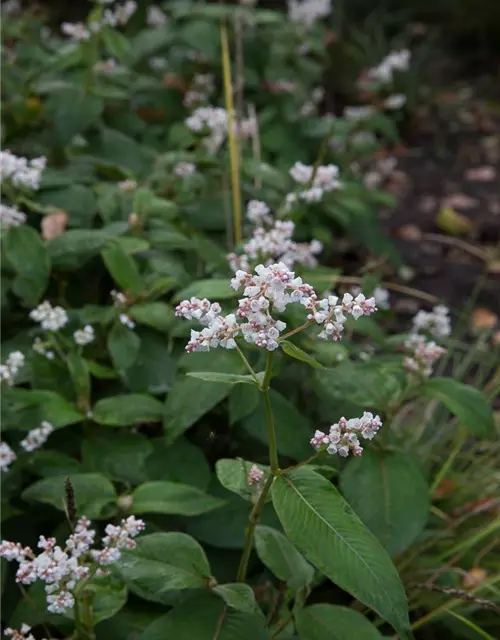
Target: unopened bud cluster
[21,172]
[343,437]
[50,318]
[61,569]
[271,288]
[318,181]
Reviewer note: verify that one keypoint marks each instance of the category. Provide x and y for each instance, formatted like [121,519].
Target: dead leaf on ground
[453,223]
[444,488]
[409,232]
[459,201]
[54,224]
[481,174]
[482,318]
[474,578]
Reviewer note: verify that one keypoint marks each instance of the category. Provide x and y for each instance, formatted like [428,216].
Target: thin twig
[458,243]
[458,593]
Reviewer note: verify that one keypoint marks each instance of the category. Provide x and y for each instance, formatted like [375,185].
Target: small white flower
[126,321]
[37,437]
[156,17]
[307,12]
[7,456]
[184,169]
[11,216]
[396,101]
[84,336]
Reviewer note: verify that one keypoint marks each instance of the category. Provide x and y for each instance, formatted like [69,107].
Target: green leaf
[153,370]
[108,596]
[52,463]
[206,617]
[125,410]
[243,401]
[119,456]
[282,558]
[325,529]
[72,111]
[80,375]
[465,402]
[294,352]
[215,289]
[330,622]
[173,498]
[122,267]
[233,475]
[117,45]
[123,346]
[238,596]
[142,202]
[26,253]
[163,563]
[75,247]
[100,372]
[158,315]
[390,495]
[292,428]
[180,462]
[93,492]
[225,378]
[180,410]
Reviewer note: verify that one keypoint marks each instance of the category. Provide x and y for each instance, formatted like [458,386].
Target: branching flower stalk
[269,290]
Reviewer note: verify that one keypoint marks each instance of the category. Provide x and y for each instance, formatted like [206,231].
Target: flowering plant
[228,423]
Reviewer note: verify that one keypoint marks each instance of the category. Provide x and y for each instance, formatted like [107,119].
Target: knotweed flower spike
[61,569]
[344,435]
[21,634]
[7,456]
[272,288]
[84,336]
[37,437]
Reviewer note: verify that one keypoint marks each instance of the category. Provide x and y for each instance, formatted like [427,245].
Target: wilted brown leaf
[474,578]
[54,224]
[482,318]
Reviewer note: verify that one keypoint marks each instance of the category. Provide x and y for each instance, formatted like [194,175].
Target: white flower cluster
[20,171]
[184,169]
[118,17]
[318,182]
[50,318]
[213,121]
[380,294]
[43,349]
[126,321]
[156,17]
[119,298]
[395,101]
[258,213]
[11,216]
[343,437]
[7,456]
[436,322]
[274,286]
[424,353]
[9,370]
[276,244]
[306,12]
[384,72]
[127,185]
[37,437]
[310,107]
[202,87]
[21,634]
[105,66]
[60,569]
[357,114]
[382,169]
[84,336]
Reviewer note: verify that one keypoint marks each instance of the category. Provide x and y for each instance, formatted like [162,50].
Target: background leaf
[172,498]
[390,495]
[125,410]
[330,622]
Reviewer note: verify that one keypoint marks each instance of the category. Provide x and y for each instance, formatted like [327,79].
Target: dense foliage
[277,476]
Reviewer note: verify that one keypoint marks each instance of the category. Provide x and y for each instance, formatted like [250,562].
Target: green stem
[294,331]
[274,470]
[461,437]
[248,365]
[273,448]
[252,523]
